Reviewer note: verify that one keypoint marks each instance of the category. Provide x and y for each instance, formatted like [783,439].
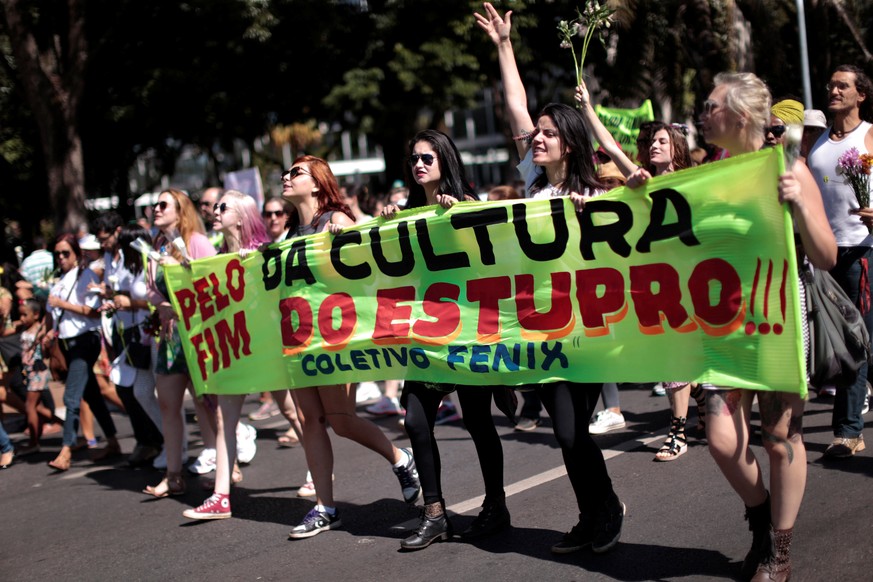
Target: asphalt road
[684,523]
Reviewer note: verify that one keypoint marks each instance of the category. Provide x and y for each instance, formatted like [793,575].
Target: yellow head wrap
[789,111]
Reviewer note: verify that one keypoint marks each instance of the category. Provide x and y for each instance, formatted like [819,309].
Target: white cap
[814,118]
[89,242]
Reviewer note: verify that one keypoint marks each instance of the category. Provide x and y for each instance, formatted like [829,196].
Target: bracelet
[524,136]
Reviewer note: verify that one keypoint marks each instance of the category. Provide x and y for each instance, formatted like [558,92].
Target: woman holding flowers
[179,228]
[558,160]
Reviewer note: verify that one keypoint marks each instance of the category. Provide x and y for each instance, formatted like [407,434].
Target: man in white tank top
[850,102]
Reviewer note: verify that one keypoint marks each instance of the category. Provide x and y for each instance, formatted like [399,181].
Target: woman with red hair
[312,189]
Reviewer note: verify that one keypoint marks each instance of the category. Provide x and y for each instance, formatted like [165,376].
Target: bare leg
[782,432]
[205,408]
[229,408]
[86,421]
[316,443]
[288,409]
[679,399]
[339,407]
[727,430]
[33,417]
[171,392]
[392,388]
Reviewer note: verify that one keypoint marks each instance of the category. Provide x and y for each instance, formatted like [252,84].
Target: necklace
[842,134]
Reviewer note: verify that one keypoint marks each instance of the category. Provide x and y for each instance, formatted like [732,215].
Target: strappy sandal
[676,443]
[170,486]
[699,395]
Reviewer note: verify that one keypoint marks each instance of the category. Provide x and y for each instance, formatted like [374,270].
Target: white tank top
[838,196]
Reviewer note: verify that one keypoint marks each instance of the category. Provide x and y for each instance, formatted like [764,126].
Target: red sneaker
[216,507]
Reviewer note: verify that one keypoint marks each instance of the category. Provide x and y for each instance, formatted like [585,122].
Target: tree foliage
[111,81]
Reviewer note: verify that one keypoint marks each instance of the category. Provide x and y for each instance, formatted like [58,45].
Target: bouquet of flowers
[152,324]
[586,24]
[855,166]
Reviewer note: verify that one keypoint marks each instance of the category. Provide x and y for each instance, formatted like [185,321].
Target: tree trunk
[51,78]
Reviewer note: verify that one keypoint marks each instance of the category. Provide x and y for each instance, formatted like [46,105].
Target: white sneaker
[203,464]
[866,408]
[246,442]
[659,390]
[828,391]
[385,406]
[605,421]
[367,391]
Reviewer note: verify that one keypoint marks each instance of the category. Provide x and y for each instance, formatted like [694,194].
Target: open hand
[497,28]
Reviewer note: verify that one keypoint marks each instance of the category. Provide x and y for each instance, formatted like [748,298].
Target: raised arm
[601,134]
[498,30]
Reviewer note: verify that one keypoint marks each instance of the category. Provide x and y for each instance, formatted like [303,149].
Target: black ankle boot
[430,530]
[493,518]
[762,542]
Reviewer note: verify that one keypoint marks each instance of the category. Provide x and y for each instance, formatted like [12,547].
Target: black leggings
[570,405]
[421,405]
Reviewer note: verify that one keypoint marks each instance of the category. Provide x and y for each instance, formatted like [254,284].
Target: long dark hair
[679,152]
[132,258]
[453,179]
[575,139]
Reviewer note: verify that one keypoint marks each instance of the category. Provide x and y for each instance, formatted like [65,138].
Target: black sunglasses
[776,130]
[426,158]
[162,205]
[221,208]
[294,172]
[62,254]
[272,213]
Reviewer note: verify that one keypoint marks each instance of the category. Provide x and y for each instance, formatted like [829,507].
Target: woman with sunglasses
[783,113]
[77,327]
[558,160]
[312,189]
[439,177]
[237,219]
[735,117]
[178,225]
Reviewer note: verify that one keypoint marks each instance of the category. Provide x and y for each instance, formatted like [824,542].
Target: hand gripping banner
[692,277]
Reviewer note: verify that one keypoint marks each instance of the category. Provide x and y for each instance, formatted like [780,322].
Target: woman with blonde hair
[179,230]
[238,220]
[734,118]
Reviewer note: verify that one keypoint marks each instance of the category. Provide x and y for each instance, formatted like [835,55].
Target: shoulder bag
[57,360]
[838,338]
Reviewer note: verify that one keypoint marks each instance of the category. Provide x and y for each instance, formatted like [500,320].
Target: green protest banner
[624,124]
[692,277]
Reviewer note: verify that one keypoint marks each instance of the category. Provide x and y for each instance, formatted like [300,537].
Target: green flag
[624,124]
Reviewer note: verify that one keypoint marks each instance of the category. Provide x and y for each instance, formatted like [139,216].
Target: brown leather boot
[778,567]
